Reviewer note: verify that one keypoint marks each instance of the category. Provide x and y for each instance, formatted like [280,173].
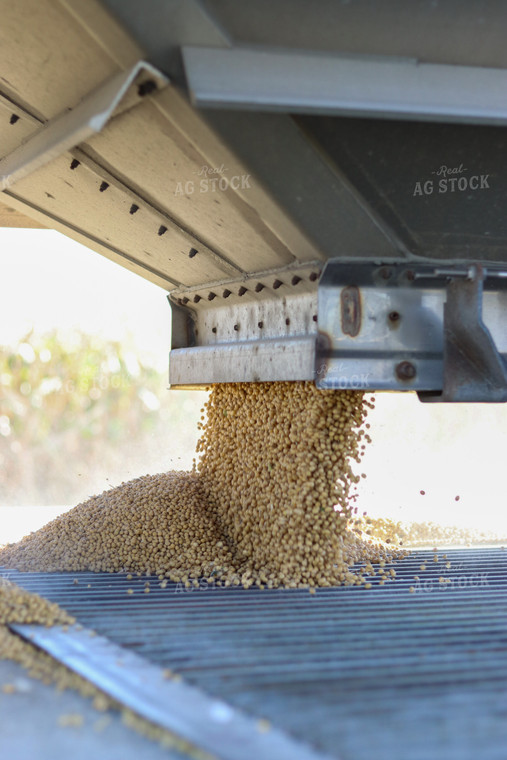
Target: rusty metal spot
[323,352]
[394,319]
[350,301]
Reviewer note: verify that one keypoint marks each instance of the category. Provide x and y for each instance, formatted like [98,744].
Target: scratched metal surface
[384,673]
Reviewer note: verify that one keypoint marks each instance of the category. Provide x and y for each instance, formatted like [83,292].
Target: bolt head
[405,371]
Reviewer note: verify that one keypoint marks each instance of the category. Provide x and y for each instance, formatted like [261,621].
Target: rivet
[145,88]
[405,371]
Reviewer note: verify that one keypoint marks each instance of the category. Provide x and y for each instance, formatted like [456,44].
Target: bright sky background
[446,450]
[51,281]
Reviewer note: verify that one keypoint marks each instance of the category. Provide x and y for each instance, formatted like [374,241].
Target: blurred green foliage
[79,411]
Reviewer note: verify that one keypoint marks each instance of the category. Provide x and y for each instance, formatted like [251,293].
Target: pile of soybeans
[270,501]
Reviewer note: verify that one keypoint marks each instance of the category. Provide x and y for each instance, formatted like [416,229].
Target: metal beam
[310,82]
[74,127]
[275,359]
[188,712]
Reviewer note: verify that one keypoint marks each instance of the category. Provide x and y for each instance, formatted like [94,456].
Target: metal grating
[208,723]
[351,671]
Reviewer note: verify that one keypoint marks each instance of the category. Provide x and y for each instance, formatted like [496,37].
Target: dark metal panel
[441,187]
[449,31]
[446,31]
[161,26]
[309,187]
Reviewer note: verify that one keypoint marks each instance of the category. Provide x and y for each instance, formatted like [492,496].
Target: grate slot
[409,674]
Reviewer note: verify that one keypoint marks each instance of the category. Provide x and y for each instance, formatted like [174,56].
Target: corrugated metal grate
[358,673]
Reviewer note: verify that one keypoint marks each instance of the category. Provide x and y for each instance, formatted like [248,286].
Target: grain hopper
[320,189]
[311,189]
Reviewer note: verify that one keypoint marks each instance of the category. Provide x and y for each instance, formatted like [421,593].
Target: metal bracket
[473,368]
[414,327]
[74,127]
